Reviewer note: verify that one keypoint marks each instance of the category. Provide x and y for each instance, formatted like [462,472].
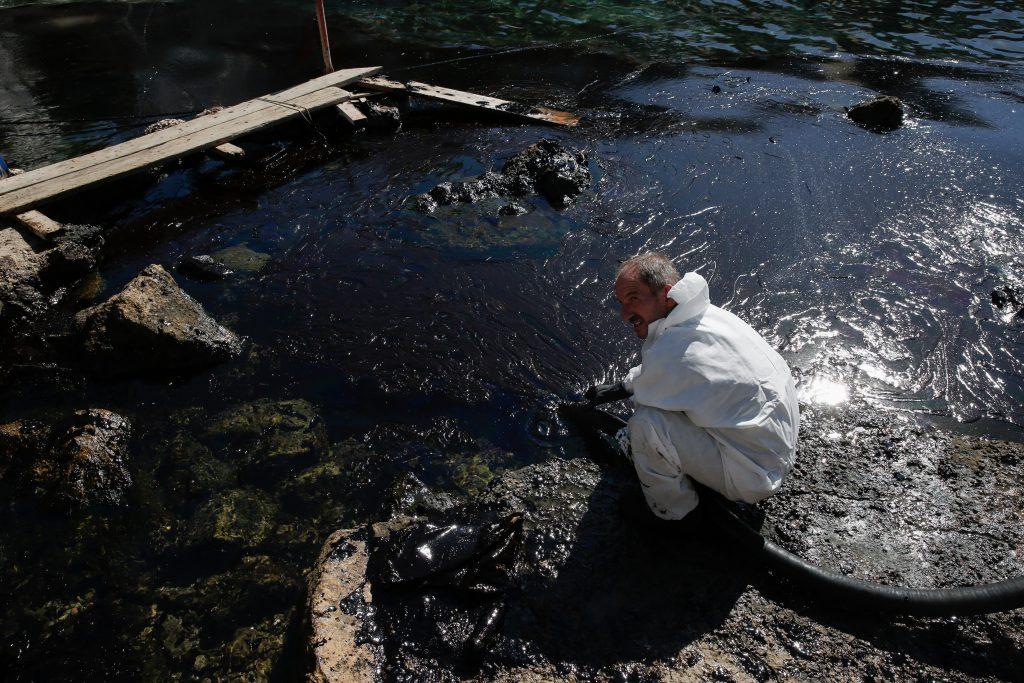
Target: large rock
[21,270]
[874,495]
[85,462]
[152,325]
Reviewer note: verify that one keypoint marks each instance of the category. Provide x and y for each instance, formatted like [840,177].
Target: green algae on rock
[267,437]
[232,521]
[241,259]
[192,470]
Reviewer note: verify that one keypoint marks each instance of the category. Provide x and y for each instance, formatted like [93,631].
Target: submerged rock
[152,325]
[513,209]
[21,444]
[884,113]
[231,522]
[85,461]
[424,203]
[242,259]
[271,437]
[204,268]
[192,470]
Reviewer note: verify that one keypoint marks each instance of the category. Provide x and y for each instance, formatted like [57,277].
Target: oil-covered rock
[882,114]
[153,326]
[598,596]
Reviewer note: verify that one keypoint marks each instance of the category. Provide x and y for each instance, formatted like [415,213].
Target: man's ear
[664,292]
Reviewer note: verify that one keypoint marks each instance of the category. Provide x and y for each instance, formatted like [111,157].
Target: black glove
[605,393]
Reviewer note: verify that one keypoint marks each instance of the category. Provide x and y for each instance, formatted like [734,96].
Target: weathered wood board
[48,182]
[41,226]
[351,113]
[229,152]
[469,99]
[38,224]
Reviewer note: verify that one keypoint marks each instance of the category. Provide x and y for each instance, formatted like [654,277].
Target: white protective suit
[714,402]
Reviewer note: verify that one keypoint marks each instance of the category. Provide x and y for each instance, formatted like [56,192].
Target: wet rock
[259,586]
[513,209]
[884,113]
[152,325]
[204,268]
[231,522]
[21,444]
[381,116]
[192,471]
[445,194]
[604,599]
[271,438]
[87,289]
[75,255]
[21,270]
[410,496]
[1007,297]
[162,124]
[86,463]
[424,203]
[548,168]
[557,173]
[242,259]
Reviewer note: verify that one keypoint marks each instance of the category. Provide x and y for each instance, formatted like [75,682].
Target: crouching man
[714,402]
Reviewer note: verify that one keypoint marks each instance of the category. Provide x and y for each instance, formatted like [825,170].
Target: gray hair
[652,268]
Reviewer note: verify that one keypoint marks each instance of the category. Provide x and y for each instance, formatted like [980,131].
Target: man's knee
[755,487]
[643,427]
[644,419]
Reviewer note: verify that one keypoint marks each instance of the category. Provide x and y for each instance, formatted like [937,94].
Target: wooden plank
[40,225]
[151,140]
[351,113]
[229,152]
[469,99]
[195,140]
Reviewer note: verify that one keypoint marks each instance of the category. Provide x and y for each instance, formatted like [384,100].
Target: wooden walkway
[21,193]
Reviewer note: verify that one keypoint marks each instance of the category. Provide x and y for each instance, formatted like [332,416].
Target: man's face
[639,304]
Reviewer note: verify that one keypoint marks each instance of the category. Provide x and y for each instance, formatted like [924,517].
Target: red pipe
[325,43]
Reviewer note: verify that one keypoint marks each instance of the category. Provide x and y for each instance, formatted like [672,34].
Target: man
[714,402]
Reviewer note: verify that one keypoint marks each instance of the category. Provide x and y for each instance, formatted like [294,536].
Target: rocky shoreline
[875,494]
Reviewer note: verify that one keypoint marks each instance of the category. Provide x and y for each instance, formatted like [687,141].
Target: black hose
[863,595]
[846,591]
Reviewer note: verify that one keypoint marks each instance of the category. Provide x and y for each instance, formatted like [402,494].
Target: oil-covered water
[716,133]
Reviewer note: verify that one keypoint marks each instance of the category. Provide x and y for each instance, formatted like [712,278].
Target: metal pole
[325,43]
